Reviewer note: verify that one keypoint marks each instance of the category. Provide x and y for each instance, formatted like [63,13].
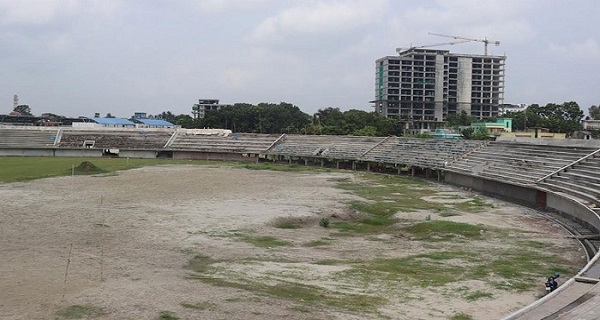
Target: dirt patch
[134,234]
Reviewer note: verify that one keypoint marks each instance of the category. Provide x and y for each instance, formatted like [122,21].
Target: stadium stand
[115,138]
[515,162]
[580,180]
[234,143]
[424,153]
[323,146]
[27,137]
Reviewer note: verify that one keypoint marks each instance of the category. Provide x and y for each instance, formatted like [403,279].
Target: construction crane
[485,40]
[398,50]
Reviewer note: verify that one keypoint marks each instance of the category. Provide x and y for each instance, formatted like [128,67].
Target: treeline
[558,118]
[287,118]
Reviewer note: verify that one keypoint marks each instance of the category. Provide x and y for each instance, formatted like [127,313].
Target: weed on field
[204,305]
[80,312]
[265,241]
[388,197]
[167,315]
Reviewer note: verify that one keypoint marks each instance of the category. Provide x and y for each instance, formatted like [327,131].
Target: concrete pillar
[353,165]
[322,163]
[337,164]
[412,171]
[368,167]
[290,161]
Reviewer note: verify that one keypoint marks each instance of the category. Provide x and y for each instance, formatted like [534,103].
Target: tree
[467,133]
[560,118]
[460,119]
[23,110]
[594,112]
[261,118]
[366,131]
[167,116]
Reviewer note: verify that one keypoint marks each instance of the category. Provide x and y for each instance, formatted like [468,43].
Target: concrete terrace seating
[517,163]
[115,138]
[581,181]
[27,137]
[323,146]
[234,143]
[426,153]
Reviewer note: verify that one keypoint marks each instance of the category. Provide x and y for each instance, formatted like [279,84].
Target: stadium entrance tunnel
[164,155]
[110,153]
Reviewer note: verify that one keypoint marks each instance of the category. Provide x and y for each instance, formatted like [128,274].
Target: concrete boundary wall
[574,210]
[144,154]
[512,193]
[80,153]
[20,152]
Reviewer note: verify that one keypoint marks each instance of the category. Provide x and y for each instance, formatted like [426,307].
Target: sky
[78,57]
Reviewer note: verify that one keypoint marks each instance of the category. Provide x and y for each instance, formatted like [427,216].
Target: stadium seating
[27,137]
[323,146]
[517,163]
[424,153]
[234,143]
[117,139]
[580,181]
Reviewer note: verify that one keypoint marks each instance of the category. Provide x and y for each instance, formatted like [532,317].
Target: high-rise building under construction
[421,87]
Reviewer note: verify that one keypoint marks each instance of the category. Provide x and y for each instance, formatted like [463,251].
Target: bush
[324,222]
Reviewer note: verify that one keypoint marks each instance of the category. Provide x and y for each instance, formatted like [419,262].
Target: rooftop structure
[421,87]
[206,105]
[113,122]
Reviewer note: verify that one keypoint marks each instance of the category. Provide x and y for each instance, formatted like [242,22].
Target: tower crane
[485,40]
[398,50]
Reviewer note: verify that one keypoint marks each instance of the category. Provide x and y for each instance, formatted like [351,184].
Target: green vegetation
[324,222]
[389,196]
[204,305]
[14,169]
[507,270]
[317,243]
[279,167]
[167,315]
[266,241]
[478,295]
[287,223]
[200,263]
[461,316]
[301,293]
[439,230]
[80,312]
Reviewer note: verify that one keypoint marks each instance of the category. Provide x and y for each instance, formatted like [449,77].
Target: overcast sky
[77,57]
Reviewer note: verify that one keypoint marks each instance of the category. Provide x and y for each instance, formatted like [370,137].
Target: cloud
[502,21]
[588,50]
[227,6]
[37,13]
[32,12]
[317,19]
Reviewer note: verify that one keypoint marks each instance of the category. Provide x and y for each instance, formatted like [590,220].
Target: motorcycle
[551,284]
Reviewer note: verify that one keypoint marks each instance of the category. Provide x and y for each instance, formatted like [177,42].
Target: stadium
[558,178]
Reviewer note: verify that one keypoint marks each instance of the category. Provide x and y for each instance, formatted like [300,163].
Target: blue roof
[156,122]
[114,121]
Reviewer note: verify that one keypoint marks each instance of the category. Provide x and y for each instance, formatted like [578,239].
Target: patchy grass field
[222,241]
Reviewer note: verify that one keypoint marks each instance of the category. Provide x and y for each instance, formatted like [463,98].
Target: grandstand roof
[155,122]
[113,121]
